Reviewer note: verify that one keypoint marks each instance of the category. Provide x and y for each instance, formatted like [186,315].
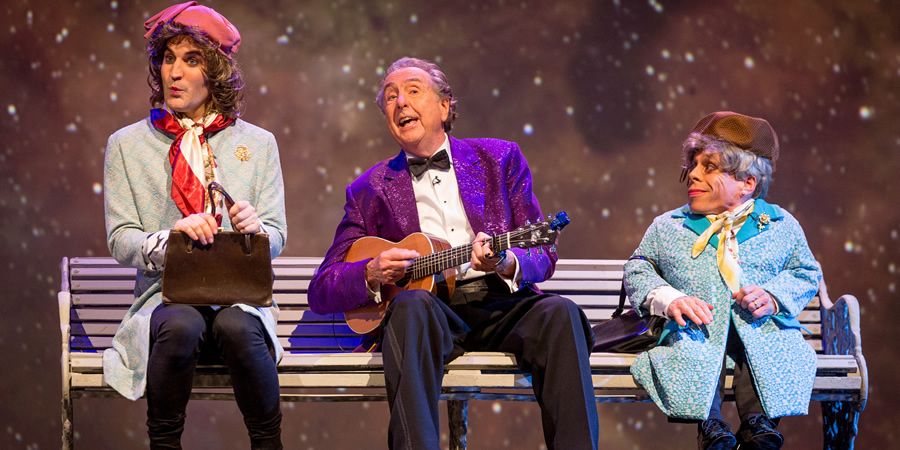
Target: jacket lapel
[696,223]
[763,214]
[397,188]
[470,177]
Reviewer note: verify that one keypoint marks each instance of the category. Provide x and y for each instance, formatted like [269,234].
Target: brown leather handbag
[235,268]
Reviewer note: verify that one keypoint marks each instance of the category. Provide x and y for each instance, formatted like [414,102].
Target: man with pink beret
[155,178]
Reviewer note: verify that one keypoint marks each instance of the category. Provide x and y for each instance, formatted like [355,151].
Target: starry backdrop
[598,93]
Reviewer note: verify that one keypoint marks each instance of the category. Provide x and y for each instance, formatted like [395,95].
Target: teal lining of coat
[699,223]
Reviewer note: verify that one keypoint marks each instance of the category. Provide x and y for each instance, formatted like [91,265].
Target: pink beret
[215,25]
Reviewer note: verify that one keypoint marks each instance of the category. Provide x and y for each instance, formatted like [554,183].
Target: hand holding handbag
[234,268]
[628,332]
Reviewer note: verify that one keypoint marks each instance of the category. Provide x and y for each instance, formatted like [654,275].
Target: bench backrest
[102,291]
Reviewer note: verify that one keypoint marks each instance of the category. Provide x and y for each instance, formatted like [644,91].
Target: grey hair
[735,161]
[438,83]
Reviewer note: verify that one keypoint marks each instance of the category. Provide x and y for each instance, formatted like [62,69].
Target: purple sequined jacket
[495,186]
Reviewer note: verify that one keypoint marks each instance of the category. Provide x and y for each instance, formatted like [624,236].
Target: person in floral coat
[734,274]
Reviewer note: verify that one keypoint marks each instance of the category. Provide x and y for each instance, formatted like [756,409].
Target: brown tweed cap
[749,133]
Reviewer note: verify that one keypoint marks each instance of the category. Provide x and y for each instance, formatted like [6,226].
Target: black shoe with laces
[715,434]
[760,433]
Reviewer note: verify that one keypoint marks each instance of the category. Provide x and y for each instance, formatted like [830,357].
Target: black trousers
[178,339]
[745,396]
[549,335]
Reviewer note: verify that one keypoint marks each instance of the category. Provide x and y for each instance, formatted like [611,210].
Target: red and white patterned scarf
[190,157]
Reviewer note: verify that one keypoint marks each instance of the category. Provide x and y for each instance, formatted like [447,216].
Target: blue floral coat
[682,372]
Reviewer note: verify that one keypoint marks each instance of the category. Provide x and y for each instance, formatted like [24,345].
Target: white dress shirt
[442,214]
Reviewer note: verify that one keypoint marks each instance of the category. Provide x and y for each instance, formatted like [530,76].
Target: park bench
[317,366]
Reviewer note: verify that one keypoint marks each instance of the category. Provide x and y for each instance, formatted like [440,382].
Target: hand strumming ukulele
[435,270]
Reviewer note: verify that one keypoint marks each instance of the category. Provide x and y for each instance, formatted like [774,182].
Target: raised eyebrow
[390,90]
[394,84]
[190,53]
[414,80]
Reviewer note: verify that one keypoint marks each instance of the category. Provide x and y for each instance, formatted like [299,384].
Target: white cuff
[516,280]
[660,298]
[374,294]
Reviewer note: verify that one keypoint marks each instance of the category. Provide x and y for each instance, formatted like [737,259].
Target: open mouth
[404,121]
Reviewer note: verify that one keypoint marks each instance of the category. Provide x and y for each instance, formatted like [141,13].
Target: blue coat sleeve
[640,276]
[798,282]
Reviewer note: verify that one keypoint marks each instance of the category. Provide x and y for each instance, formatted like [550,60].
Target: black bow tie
[418,166]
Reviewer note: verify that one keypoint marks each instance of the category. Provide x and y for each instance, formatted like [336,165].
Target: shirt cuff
[660,298]
[516,279]
[154,250]
[374,294]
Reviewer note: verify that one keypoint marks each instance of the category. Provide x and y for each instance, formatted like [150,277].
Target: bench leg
[458,415]
[839,422]
[68,442]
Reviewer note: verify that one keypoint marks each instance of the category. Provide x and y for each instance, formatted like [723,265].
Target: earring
[743,192]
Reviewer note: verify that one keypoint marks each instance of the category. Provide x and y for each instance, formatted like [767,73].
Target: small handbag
[234,268]
[628,332]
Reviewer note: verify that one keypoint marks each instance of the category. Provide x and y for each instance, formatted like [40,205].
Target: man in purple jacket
[453,189]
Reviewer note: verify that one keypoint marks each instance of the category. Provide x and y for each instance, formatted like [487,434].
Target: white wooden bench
[96,293]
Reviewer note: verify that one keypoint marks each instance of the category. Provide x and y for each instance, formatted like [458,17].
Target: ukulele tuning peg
[553,248]
[527,222]
[540,250]
[528,253]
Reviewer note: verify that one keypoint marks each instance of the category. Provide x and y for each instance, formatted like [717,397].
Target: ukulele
[435,270]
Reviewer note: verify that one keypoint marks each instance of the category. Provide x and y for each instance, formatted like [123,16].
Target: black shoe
[758,432]
[715,434]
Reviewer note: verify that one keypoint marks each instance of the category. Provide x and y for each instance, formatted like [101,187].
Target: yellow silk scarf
[725,257]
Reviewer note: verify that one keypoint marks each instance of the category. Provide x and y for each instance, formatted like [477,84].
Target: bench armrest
[841,335]
[64,300]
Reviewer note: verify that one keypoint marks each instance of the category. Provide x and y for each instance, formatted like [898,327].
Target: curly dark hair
[226,84]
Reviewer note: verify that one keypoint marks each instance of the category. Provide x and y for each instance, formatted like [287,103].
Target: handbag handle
[621,307]
[229,202]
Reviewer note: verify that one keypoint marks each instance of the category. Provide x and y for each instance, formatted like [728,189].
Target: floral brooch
[763,221]
[242,153]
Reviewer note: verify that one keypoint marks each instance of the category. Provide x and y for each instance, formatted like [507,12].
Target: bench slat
[127,285]
[826,365]
[125,299]
[289,343]
[453,379]
[116,315]
[297,330]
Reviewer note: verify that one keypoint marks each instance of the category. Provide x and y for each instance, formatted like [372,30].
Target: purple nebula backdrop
[598,93]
